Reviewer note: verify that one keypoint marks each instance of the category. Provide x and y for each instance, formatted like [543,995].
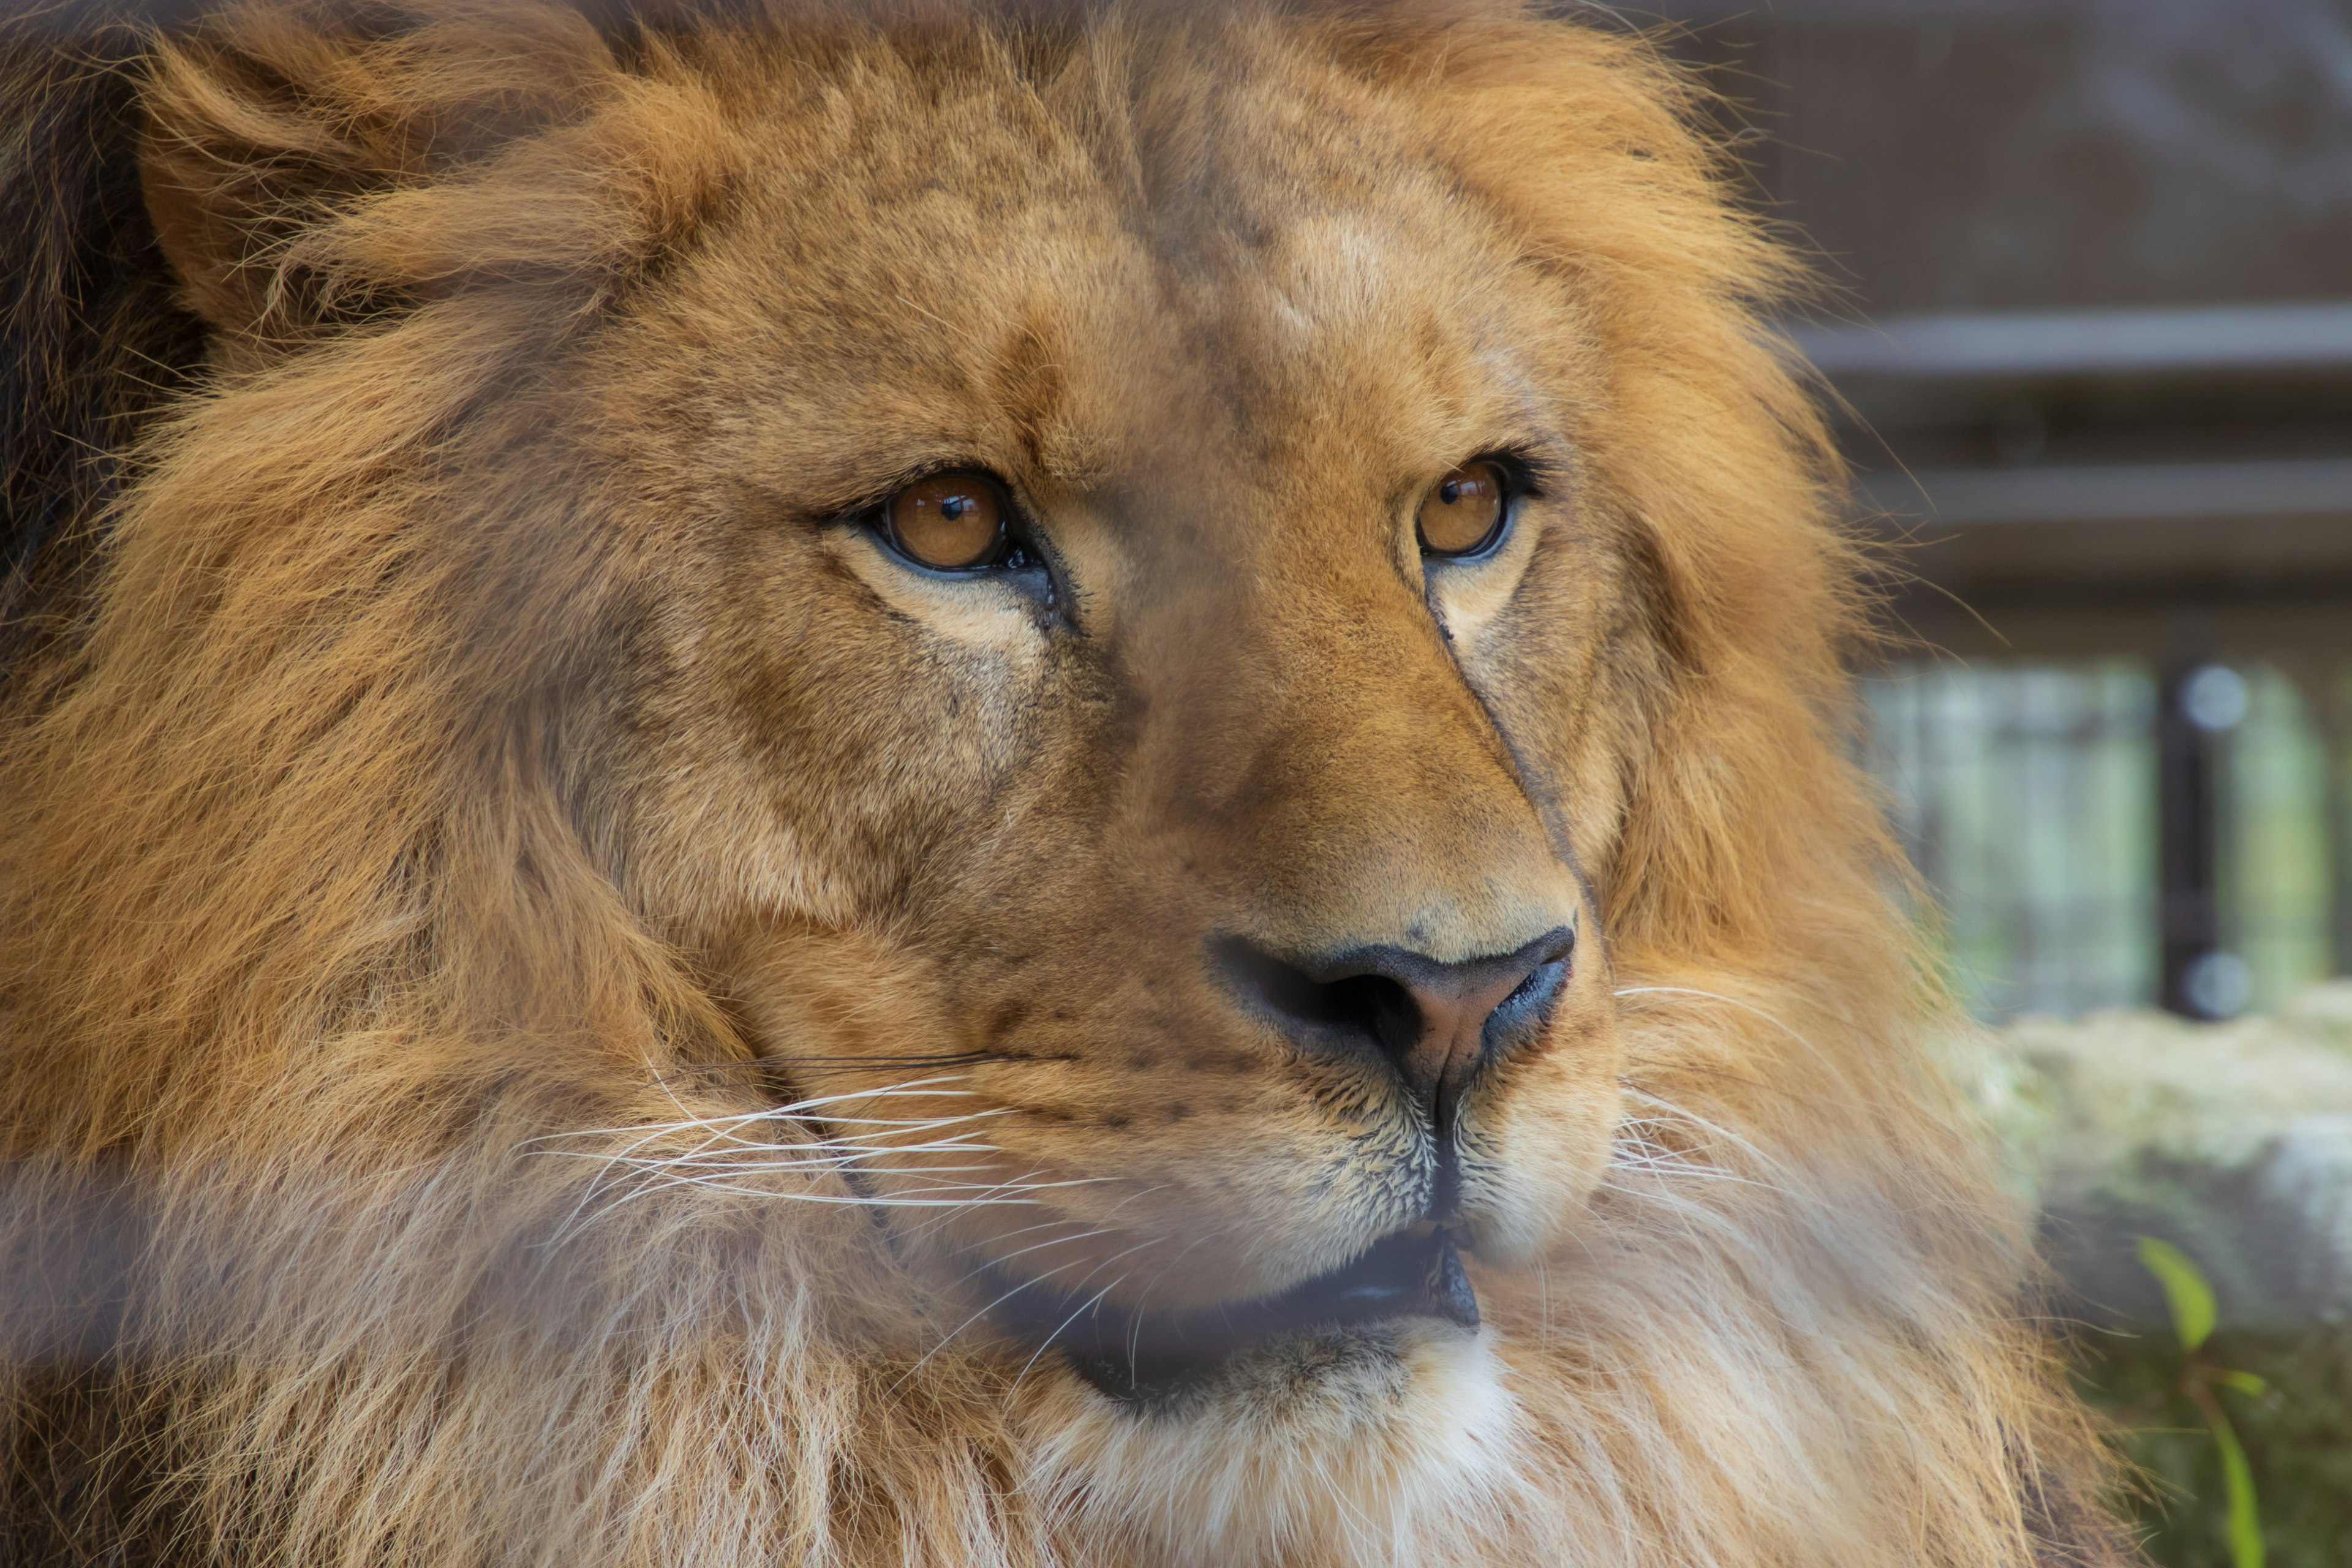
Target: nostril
[1369,1009]
[1539,978]
[1527,1004]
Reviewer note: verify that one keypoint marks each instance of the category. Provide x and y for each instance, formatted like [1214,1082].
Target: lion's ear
[282,142]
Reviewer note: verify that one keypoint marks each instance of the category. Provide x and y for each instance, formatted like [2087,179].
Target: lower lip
[1405,1276]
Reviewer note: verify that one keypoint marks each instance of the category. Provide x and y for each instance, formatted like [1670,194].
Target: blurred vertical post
[2198,704]
[2189,922]
[2334,708]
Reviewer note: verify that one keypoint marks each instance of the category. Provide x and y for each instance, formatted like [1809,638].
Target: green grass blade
[2185,1289]
[2237,1477]
[2245,1522]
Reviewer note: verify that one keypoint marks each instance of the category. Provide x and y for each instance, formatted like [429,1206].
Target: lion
[940,784]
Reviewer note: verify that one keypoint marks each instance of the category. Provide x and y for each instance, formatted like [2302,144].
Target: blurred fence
[2027,796]
[2092,344]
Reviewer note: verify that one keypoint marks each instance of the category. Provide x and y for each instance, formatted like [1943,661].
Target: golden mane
[313,966]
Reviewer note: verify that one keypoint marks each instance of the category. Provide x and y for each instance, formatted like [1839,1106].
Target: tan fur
[489,771]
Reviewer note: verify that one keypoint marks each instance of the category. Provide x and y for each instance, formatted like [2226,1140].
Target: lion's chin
[1369,1436]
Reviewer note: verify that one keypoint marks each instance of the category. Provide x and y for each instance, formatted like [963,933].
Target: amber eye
[1463,512]
[953,522]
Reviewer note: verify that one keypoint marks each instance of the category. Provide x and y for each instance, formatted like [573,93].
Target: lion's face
[1215,837]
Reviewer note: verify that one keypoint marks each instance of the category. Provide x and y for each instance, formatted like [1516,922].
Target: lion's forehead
[1117,324]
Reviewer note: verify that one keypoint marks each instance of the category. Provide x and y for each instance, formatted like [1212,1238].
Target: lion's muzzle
[1435,1025]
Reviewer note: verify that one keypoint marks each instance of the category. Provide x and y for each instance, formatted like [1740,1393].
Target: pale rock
[2233,1140]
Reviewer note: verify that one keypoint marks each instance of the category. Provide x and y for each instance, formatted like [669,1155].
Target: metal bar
[2228,339]
[2332,704]
[2122,493]
[2189,916]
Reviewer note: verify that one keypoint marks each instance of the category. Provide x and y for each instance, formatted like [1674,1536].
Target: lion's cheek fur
[720,788]
[1304,1456]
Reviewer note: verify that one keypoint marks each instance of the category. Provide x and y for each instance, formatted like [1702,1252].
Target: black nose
[1434,1023]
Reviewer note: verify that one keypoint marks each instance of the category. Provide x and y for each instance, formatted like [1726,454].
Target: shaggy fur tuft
[530,949]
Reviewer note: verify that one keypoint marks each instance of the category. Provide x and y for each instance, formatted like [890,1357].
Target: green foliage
[2297,1441]
[2238,1488]
[2193,1313]
[2289,1443]
[2190,1297]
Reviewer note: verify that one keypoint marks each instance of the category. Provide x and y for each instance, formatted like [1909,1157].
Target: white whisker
[1064,1323]
[915,1087]
[952,1334]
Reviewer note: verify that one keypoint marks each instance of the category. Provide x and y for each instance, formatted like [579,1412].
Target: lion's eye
[957,521]
[1463,512]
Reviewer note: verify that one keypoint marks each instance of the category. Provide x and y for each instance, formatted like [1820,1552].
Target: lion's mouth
[1132,1355]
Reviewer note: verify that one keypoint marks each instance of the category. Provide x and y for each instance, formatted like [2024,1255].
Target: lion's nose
[1432,1023]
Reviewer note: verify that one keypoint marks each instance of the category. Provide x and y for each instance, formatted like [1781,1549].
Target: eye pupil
[1464,513]
[955,521]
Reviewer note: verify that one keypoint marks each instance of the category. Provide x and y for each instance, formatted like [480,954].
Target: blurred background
[2097,260]
[2095,346]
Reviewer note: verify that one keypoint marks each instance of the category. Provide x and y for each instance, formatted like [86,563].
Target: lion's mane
[303,960]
